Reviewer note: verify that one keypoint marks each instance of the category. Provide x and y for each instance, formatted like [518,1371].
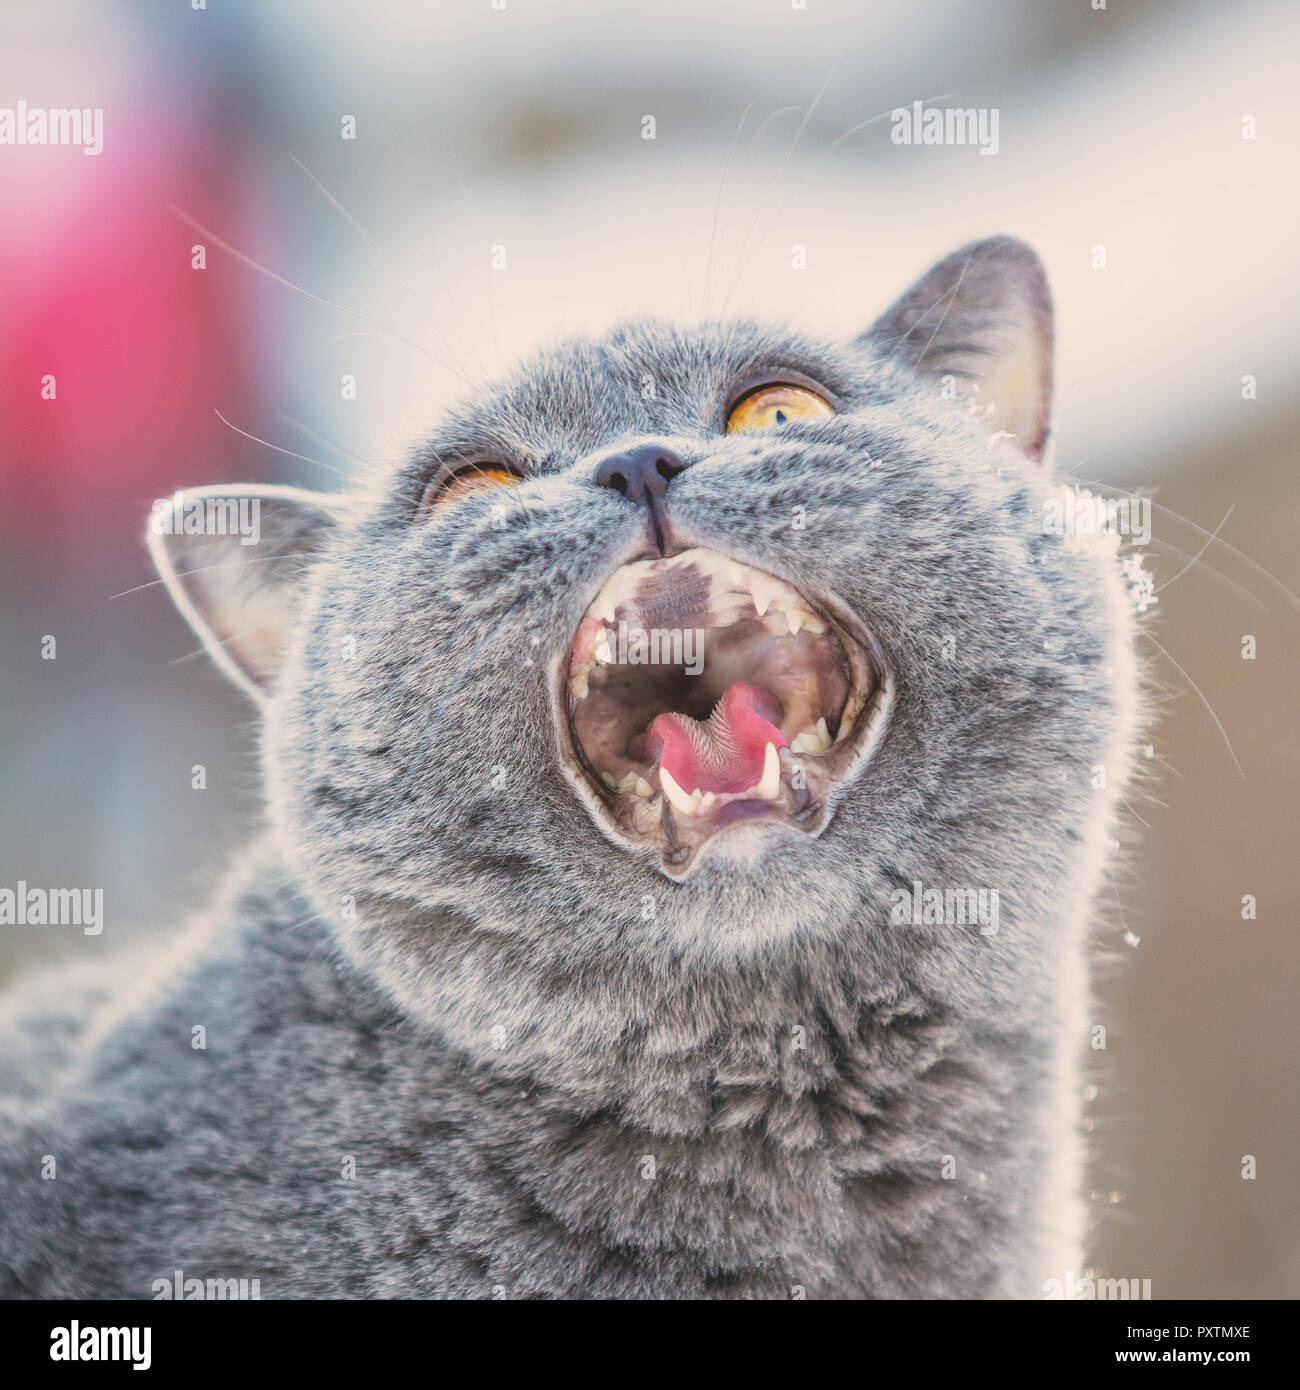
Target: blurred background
[500,189]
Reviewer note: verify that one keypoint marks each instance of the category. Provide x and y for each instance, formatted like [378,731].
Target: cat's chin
[706,705]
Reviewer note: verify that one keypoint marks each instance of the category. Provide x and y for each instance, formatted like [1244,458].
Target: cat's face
[696,639]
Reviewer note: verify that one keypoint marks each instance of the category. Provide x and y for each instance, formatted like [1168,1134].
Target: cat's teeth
[777,623]
[798,618]
[764,590]
[814,739]
[769,785]
[630,784]
[578,684]
[603,653]
[605,607]
[677,798]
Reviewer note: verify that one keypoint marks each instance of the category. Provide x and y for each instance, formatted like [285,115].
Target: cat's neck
[829,1121]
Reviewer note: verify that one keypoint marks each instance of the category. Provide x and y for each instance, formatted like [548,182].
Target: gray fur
[452,977]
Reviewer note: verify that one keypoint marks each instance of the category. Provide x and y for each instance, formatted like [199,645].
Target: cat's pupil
[780,417]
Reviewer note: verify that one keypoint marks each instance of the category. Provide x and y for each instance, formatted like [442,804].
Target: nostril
[641,473]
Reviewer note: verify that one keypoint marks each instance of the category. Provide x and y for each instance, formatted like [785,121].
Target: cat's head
[689,640]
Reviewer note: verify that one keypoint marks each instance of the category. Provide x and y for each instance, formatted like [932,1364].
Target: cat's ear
[983,318]
[233,557]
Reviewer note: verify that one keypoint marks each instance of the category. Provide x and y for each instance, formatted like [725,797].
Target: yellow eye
[774,405]
[476,478]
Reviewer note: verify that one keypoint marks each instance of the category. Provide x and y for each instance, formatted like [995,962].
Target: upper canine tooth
[604,606]
[677,798]
[769,784]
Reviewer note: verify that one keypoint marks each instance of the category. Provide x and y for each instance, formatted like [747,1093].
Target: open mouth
[700,693]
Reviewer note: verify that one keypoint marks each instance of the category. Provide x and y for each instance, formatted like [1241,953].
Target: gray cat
[689,779]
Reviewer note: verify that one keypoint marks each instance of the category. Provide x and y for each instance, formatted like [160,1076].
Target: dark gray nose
[640,474]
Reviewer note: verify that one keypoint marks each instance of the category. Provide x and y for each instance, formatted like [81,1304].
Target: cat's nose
[641,473]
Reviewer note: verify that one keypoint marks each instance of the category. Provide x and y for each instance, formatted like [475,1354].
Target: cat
[561,973]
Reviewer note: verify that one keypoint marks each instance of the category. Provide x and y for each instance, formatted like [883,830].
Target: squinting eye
[774,405]
[476,478]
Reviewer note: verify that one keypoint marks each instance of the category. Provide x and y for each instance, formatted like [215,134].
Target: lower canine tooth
[677,798]
[578,684]
[769,785]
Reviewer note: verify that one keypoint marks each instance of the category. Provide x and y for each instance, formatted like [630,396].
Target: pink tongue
[724,753]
